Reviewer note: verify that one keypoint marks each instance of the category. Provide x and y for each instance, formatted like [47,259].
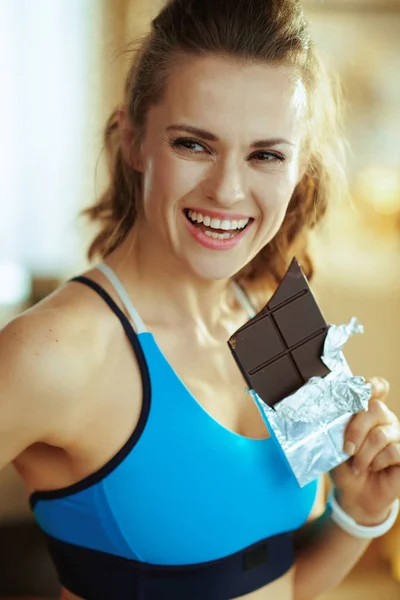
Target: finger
[388,457]
[378,440]
[362,423]
[380,388]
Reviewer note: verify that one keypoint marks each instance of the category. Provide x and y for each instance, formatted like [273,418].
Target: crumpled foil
[310,424]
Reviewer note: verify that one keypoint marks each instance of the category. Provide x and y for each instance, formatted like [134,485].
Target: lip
[211,243]
[218,215]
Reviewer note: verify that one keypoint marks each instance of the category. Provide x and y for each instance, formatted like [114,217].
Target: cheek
[275,195]
[172,177]
[273,203]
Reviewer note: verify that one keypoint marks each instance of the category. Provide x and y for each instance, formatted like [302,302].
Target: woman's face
[220,160]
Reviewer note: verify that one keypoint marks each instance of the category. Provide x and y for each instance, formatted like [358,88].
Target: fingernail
[355,470]
[380,385]
[350,448]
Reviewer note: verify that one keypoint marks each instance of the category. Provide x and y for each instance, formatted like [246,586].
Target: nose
[226,183]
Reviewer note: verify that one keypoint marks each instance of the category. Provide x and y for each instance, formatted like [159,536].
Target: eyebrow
[206,135]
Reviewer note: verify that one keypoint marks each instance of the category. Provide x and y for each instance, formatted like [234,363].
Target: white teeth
[219,236]
[225,224]
[215,224]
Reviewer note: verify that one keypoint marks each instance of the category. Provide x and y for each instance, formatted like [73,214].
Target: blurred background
[62,73]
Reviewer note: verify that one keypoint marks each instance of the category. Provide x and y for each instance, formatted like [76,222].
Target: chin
[214,269]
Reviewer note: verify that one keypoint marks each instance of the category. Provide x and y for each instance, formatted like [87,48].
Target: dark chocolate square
[293,284]
[299,319]
[304,357]
[262,338]
[277,380]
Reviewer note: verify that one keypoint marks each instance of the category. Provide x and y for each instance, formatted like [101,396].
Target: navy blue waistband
[95,575]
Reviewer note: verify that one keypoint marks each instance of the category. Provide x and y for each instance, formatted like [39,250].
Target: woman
[151,471]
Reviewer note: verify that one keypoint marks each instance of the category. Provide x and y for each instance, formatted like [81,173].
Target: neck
[164,293]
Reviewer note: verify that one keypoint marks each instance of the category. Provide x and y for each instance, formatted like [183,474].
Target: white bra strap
[140,327]
[243,300]
[123,294]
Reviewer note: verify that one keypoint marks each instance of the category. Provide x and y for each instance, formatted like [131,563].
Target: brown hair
[268,31]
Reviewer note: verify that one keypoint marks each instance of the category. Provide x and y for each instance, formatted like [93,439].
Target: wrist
[368,529]
[362,517]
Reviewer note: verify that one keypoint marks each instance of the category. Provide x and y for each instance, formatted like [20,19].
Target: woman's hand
[369,481]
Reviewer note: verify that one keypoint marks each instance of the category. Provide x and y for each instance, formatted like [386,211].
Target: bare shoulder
[47,342]
[48,358]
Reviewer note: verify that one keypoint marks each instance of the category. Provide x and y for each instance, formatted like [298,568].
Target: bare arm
[38,373]
[325,555]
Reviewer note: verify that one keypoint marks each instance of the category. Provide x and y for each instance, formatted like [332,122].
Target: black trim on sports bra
[96,575]
[146,387]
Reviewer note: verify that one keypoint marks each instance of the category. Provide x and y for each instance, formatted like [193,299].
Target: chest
[211,375]
[201,483]
[208,371]
[209,492]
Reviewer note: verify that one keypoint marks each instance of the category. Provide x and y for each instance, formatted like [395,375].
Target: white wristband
[348,524]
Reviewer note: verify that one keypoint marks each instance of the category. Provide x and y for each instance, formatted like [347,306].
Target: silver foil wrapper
[310,424]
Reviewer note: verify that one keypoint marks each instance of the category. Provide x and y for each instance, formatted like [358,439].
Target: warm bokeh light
[380,188]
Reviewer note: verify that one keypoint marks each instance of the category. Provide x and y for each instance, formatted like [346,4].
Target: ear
[130,152]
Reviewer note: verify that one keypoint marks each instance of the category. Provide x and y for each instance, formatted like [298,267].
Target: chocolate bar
[280,349]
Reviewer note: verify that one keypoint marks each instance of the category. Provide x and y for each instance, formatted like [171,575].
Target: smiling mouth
[222,229]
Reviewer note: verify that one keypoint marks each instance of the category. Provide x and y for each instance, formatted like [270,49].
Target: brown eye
[190,145]
[268,157]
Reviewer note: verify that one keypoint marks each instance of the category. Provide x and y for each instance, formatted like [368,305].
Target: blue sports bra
[186,509]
